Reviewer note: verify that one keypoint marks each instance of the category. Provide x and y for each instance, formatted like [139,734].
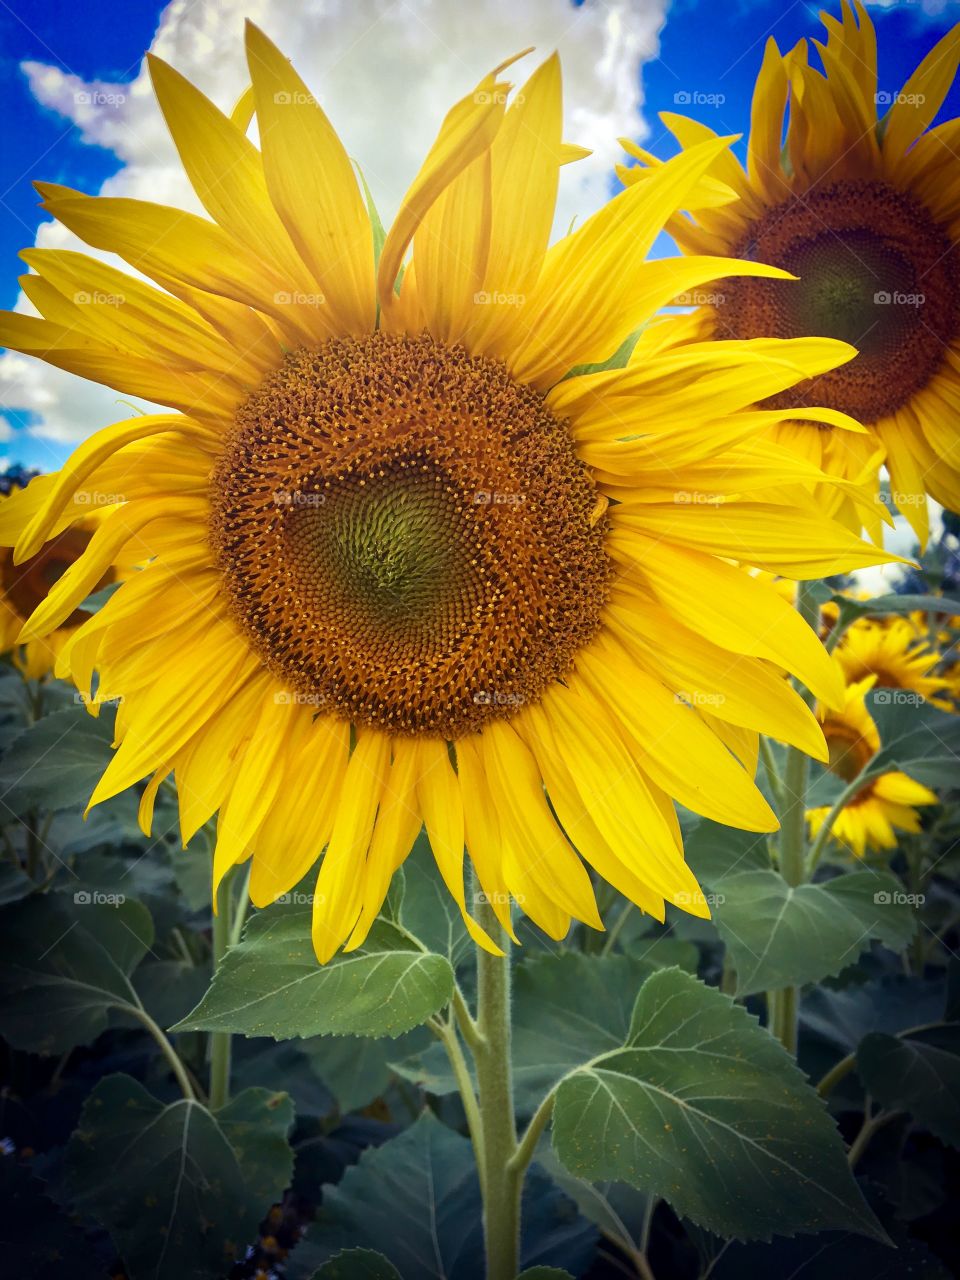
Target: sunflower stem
[793,839]
[500,1178]
[221,1042]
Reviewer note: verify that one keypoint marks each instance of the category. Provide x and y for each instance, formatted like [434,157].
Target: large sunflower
[403,570]
[885,804]
[866,212]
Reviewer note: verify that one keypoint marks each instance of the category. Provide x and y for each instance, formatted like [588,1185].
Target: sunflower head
[884,804]
[861,204]
[410,558]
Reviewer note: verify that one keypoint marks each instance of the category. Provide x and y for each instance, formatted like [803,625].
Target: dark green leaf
[715,851]
[915,1076]
[428,911]
[65,965]
[780,936]
[57,762]
[416,1200]
[704,1108]
[181,1190]
[357,1069]
[272,985]
[829,1256]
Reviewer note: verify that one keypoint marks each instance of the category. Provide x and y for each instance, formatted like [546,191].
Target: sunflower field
[466,812]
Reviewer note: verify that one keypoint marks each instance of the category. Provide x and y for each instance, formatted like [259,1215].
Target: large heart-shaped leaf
[180,1189]
[916,1075]
[272,985]
[704,1108]
[65,965]
[779,935]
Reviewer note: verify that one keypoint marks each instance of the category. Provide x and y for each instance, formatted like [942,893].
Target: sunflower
[890,651]
[25,586]
[885,804]
[412,561]
[866,212]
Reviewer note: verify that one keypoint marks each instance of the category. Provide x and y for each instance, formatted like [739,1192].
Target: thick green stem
[501,1180]
[221,1041]
[793,839]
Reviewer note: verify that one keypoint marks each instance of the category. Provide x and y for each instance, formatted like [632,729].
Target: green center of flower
[874,270]
[407,536]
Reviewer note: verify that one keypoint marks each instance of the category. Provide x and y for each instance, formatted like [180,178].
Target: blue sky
[706,46]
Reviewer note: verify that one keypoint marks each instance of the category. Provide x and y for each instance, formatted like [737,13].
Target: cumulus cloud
[385,71]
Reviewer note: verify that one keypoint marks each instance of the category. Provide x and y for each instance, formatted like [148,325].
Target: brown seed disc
[27,585]
[874,270]
[407,536]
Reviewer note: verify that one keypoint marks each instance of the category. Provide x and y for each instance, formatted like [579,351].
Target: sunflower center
[874,270]
[406,535]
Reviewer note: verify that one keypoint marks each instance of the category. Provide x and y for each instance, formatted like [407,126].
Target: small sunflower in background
[884,805]
[890,650]
[24,587]
[403,568]
[862,204]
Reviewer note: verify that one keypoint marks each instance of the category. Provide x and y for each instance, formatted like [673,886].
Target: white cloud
[385,71]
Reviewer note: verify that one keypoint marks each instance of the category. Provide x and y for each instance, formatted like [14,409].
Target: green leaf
[916,1076]
[568,1008]
[915,737]
[358,1264]
[704,1108]
[64,965]
[180,1189]
[781,936]
[272,985]
[357,1069]
[56,762]
[428,911]
[888,604]
[545,1273]
[169,989]
[714,851]
[617,1209]
[416,1200]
